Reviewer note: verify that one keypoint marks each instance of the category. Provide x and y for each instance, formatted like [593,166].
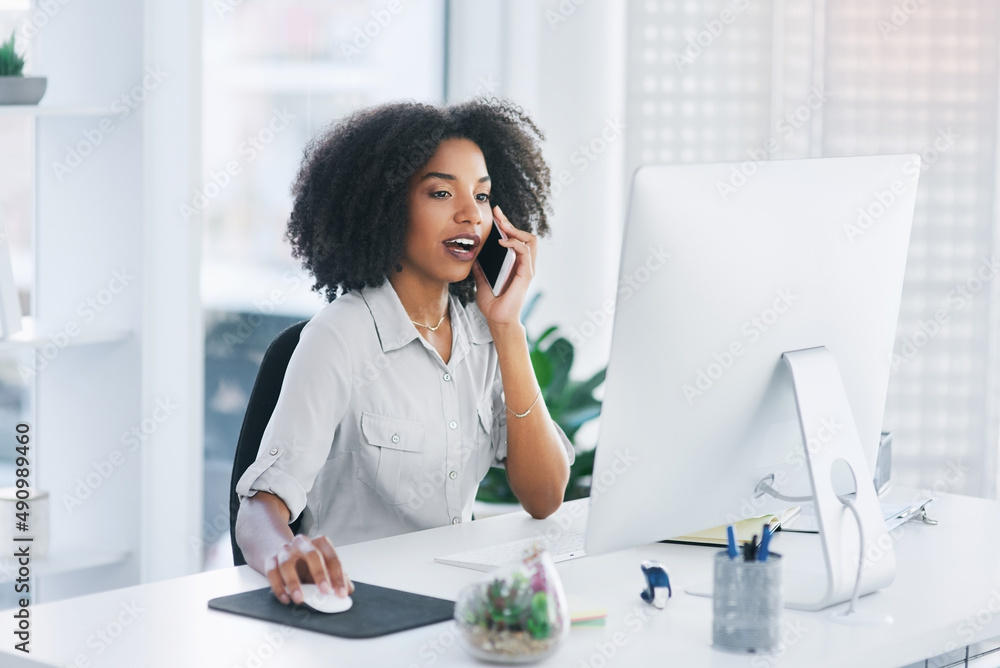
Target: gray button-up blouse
[373,434]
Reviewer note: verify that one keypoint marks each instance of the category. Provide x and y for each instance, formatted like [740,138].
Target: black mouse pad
[376,611]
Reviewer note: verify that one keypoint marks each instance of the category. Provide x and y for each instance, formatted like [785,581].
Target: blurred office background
[614,85]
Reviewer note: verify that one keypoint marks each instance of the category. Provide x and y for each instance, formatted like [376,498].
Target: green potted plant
[571,404]
[15,88]
[518,615]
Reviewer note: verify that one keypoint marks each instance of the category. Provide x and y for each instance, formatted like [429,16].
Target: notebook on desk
[745,529]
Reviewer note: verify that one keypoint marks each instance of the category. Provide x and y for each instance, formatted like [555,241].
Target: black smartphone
[495,260]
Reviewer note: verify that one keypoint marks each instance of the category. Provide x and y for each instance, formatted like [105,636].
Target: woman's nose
[468,210]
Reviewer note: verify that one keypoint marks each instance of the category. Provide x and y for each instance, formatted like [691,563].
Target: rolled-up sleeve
[500,428]
[314,398]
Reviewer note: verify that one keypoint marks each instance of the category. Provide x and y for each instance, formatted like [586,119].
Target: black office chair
[263,398]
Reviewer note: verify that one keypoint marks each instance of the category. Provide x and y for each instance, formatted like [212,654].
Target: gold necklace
[435,327]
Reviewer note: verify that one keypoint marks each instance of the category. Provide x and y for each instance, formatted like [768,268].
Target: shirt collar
[472,320]
[395,329]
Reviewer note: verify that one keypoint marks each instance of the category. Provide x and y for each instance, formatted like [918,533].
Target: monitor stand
[820,400]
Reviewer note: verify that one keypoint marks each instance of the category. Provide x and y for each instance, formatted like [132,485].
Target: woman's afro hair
[348,222]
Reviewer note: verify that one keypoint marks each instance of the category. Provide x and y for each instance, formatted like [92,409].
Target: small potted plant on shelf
[15,88]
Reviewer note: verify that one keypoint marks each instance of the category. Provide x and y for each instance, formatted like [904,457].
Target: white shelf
[81,404]
[29,337]
[42,110]
[59,559]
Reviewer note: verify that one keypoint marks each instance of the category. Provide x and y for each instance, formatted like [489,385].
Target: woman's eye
[483,197]
[440,193]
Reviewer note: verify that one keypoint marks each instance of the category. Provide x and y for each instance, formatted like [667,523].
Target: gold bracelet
[525,413]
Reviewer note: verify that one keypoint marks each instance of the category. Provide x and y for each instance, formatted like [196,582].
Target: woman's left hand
[506,309]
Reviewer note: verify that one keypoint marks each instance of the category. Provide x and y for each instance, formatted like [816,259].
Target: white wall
[173,332]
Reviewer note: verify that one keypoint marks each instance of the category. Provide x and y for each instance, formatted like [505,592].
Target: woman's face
[450,214]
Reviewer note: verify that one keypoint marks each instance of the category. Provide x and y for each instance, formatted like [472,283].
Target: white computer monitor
[699,403]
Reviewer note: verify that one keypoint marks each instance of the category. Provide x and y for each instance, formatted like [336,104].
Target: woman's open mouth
[462,246]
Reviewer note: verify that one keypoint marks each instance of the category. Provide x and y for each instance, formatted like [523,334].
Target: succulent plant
[11,64]
[538,622]
[518,603]
[519,614]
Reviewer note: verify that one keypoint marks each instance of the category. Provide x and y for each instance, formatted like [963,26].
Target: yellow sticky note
[584,610]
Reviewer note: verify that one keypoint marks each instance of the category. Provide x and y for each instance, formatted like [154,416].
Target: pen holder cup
[746,603]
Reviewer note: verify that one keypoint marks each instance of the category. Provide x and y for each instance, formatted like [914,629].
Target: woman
[415,379]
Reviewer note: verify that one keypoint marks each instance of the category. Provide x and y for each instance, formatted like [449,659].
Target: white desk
[946,595]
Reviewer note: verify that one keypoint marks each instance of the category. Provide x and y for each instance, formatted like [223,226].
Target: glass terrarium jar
[518,615]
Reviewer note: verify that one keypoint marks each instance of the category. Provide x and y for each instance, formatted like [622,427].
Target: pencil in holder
[746,603]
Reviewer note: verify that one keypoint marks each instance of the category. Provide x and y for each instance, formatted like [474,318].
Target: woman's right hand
[305,560]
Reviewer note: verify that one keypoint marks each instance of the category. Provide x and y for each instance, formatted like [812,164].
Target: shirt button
[447,376]
[273,451]
[453,475]
[456,520]
[395,438]
[453,424]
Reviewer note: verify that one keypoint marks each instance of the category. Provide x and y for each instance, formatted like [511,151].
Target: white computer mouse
[321,602]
